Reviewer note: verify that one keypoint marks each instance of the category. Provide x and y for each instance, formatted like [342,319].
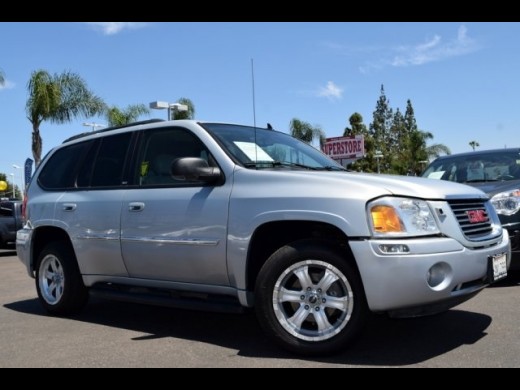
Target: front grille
[473,231]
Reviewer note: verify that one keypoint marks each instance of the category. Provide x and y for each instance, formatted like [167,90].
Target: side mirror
[194,169]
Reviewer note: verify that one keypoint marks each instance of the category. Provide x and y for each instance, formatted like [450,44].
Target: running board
[168,298]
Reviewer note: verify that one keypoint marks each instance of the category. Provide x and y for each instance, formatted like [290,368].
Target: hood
[420,187]
[495,187]
[362,185]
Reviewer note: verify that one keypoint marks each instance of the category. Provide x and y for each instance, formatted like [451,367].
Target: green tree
[190,114]
[357,127]
[410,123]
[123,116]
[368,163]
[474,145]
[8,192]
[420,153]
[380,129]
[58,98]
[305,132]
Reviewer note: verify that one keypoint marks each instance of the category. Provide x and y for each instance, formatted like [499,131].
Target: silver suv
[227,217]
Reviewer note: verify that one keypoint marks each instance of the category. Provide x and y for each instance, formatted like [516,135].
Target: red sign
[345,148]
[477,216]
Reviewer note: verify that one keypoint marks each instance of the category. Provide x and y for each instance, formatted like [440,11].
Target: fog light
[394,248]
[439,276]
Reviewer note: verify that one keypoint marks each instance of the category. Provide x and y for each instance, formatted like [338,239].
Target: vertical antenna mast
[253,84]
[254,106]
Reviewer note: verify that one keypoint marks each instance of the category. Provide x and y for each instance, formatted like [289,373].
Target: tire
[58,281]
[310,299]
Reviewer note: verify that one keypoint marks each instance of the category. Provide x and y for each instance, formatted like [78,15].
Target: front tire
[58,280]
[310,299]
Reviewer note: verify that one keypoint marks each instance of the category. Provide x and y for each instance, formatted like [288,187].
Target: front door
[171,229]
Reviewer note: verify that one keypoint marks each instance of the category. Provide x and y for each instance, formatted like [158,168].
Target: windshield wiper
[272,164]
[480,181]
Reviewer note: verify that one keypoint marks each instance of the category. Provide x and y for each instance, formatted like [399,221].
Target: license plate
[497,268]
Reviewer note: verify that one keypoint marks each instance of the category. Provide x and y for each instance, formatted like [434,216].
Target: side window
[160,148]
[60,171]
[110,161]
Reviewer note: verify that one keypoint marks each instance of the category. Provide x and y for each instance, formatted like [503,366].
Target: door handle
[69,207]
[136,206]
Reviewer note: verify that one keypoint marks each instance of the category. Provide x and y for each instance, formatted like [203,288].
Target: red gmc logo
[477,216]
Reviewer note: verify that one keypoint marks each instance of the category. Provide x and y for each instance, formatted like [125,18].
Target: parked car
[497,173]
[227,217]
[10,222]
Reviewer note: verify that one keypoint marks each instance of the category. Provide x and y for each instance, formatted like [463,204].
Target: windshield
[264,148]
[475,168]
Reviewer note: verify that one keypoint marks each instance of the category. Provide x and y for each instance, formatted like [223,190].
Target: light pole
[176,107]
[12,179]
[378,156]
[22,181]
[93,125]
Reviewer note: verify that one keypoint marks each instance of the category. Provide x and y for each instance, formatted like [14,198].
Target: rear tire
[310,299]
[58,280]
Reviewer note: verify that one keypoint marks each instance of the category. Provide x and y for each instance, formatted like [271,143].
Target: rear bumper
[23,249]
[397,282]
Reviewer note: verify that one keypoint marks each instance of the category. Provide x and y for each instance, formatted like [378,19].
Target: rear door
[174,230]
[92,178]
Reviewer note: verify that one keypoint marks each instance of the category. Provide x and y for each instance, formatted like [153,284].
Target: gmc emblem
[477,216]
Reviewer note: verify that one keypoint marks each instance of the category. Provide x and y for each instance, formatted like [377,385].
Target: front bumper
[514,234]
[394,282]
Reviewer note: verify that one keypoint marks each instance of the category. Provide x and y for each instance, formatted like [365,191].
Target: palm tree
[419,152]
[190,114]
[474,145]
[58,98]
[305,132]
[120,117]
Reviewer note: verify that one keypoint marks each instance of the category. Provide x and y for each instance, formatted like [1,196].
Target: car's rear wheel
[58,280]
[310,299]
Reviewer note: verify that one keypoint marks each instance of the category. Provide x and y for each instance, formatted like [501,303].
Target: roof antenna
[254,106]
[253,84]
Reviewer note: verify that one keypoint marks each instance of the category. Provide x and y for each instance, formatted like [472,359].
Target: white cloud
[330,91]
[435,50]
[431,50]
[111,28]
[7,85]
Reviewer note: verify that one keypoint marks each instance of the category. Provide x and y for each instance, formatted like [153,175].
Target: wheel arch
[43,236]
[271,236]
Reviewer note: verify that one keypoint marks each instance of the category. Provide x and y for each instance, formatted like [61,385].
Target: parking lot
[483,332]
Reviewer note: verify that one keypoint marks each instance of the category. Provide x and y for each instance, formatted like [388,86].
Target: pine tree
[380,129]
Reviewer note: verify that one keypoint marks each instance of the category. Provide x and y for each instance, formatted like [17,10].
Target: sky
[463,78]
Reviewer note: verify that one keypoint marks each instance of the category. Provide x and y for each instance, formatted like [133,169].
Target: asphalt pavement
[483,332]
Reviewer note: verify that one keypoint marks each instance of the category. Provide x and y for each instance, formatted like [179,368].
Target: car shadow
[7,252]
[513,279]
[384,342]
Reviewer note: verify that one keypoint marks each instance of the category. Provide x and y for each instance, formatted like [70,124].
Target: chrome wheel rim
[51,279]
[313,300]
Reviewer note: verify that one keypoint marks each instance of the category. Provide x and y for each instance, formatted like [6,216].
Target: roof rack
[75,137]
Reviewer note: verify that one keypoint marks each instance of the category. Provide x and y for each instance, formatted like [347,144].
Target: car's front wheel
[310,299]
[58,280]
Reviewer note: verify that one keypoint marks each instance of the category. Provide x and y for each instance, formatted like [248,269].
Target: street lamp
[176,107]
[93,125]
[22,181]
[12,179]
[379,155]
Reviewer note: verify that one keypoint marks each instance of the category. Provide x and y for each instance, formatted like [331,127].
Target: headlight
[401,217]
[507,203]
